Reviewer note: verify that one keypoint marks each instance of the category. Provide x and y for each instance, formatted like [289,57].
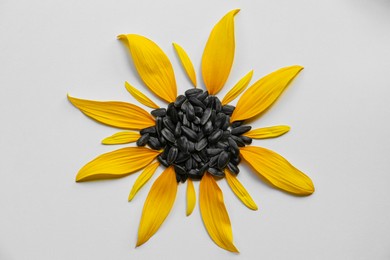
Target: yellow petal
[277,170]
[191,197]
[141,97]
[268,132]
[114,113]
[238,88]
[153,66]
[186,62]
[214,214]
[263,93]
[158,204]
[218,54]
[122,138]
[239,190]
[143,178]
[117,163]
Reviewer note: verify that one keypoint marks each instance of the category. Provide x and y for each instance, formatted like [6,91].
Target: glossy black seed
[143,139]
[237,124]
[216,172]
[228,109]
[191,134]
[233,146]
[218,105]
[210,102]
[190,112]
[215,136]
[159,125]
[179,170]
[172,113]
[208,128]
[198,111]
[193,92]
[162,161]
[238,140]
[200,135]
[162,141]
[223,145]
[172,155]
[191,146]
[168,124]
[241,130]
[201,144]
[246,139]
[206,101]
[188,164]
[196,102]
[214,151]
[206,115]
[196,157]
[213,161]
[235,160]
[226,124]
[233,168]
[182,157]
[185,121]
[226,134]
[213,116]
[203,155]
[177,132]
[159,112]
[196,120]
[154,143]
[194,127]
[195,164]
[179,100]
[148,130]
[184,106]
[204,168]
[202,96]
[178,178]
[194,174]
[223,159]
[164,154]
[180,115]
[182,144]
[168,135]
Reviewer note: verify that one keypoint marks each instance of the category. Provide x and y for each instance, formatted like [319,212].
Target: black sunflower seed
[225,135]
[223,145]
[159,112]
[202,96]
[182,144]
[210,102]
[188,164]
[179,100]
[162,141]
[148,130]
[196,102]
[191,134]
[200,135]
[238,140]
[190,112]
[172,113]
[213,116]
[191,146]
[179,170]
[172,155]
[198,111]
[235,160]
[183,178]
[233,168]
[206,101]
[215,136]
[228,109]
[216,172]
[203,155]
[168,124]
[195,164]
[193,92]
[179,178]
[206,115]
[177,132]
[246,139]
[159,125]
[180,115]
[223,159]
[204,168]
[168,135]
[233,146]
[213,161]
[226,124]
[196,120]
[154,143]
[196,157]
[213,151]
[241,130]
[185,121]
[162,161]
[194,174]
[237,124]
[218,105]
[201,144]
[208,128]
[184,106]
[182,157]
[143,139]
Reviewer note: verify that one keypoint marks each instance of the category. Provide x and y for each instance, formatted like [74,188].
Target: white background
[338,109]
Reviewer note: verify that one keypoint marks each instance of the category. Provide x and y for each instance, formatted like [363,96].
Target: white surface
[338,109]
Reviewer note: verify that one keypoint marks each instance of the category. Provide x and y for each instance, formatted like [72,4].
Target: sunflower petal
[122,138]
[277,170]
[153,66]
[158,204]
[114,113]
[238,88]
[143,178]
[186,62]
[263,93]
[218,54]
[239,190]
[117,163]
[141,97]
[268,132]
[214,214]
[191,197]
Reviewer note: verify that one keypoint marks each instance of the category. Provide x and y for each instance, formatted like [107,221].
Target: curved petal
[191,197]
[277,170]
[117,163]
[114,113]
[152,65]
[267,132]
[141,97]
[143,178]
[158,204]
[263,93]
[218,55]
[122,138]
[239,190]
[214,214]
[186,62]
[238,88]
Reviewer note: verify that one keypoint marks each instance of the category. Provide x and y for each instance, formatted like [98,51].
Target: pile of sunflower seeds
[196,136]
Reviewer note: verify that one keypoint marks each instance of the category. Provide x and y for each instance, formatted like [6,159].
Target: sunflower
[197,137]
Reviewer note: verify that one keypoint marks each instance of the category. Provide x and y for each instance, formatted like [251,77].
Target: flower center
[196,136]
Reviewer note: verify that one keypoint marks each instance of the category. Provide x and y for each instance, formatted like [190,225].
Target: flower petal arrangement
[198,137]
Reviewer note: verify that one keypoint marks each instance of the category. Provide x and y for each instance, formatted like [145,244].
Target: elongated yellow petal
[277,170]
[158,204]
[143,178]
[114,113]
[141,97]
[263,93]
[191,197]
[152,65]
[117,163]
[122,138]
[268,132]
[214,214]
[186,62]
[218,54]
[238,88]
[239,190]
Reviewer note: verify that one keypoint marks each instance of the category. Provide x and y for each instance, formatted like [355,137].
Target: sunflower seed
[213,161]
[206,115]
[241,130]
[214,151]
[168,124]
[235,160]
[159,112]
[218,105]
[215,136]
[143,139]
[233,168]
[162,161]
[238,140]
[196,120]
[223,159]
[210,102]
[159,125]
[191,146]
[195,127]
[200,135]
[154,143]
[201,144]
[180,115]
[183,178]
[196,102]
[226,124]
[148,130]
[203,155]
[233,146]
[213,116]
[198,111]
[246,139]
[164,154]
[179,170]
[168,135]
[182,157]
[208,128]
[204,168]
[179,100]
[172,155]
[237,124]
[185,121]
[184,106]
[223,145]
[182,144]
[162,140]
[195,164]
[188,164]
[215,172]
[194,174]
[177,132]
[193,92]
[228,109]
[206,101]
[178,178]
[202,96]
[190,112]
[196,157]
[172,113]
[191,134]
